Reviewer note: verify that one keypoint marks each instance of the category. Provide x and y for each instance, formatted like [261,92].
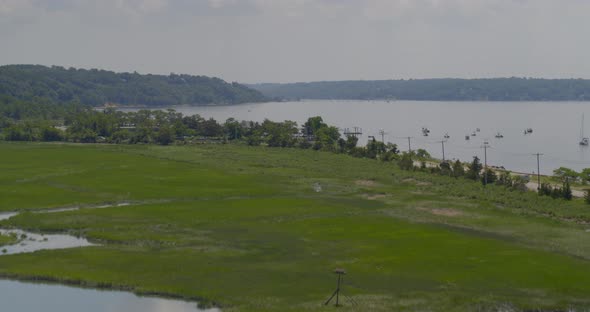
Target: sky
[252,41]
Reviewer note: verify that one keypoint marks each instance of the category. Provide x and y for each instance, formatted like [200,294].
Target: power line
[382,133]
[409,142]
[538,171]
[442,142]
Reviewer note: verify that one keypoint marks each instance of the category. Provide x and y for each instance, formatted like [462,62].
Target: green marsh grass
[243,227]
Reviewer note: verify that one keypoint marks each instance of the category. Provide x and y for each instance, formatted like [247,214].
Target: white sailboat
[583,140]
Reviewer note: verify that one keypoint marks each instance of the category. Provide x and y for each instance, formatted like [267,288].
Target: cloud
[8,7]
[149,6]
[297,40]
[26,7]
[216,4]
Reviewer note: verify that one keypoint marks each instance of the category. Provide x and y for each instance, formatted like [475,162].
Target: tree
[328,136]
[121,136]
[49,134]
[351,142]
[458,169]
[392,148]
[566,191]
[422,154]
[210,128]
[164,136]
[564,173]
[84,136]
[280,134]
[445,168]
[406,162]
[519,184]
[17,133]
[587,196]
[59,87]
[375,148]
[488,176]
[474,169]
[312,126]
[504,179]
[545,189]
[585,175]
[556,192]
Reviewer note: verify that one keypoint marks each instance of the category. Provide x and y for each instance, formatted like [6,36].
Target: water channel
[24,297]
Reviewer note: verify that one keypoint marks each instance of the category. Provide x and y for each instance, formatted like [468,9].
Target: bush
[566,191]
[458,169]
[489,177]
[406,162]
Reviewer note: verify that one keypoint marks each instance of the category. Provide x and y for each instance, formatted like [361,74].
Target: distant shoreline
[440,89]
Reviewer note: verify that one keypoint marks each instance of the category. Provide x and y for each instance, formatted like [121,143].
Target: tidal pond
[26,297]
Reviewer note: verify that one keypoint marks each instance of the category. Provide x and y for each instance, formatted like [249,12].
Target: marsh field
[256,229]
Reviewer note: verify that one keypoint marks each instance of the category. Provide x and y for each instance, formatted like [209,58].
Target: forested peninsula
[448,89]
[94,87]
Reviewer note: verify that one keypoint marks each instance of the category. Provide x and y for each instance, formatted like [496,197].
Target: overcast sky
[303,40]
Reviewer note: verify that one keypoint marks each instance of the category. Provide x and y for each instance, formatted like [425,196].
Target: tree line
[79,124]
[446,89]
[98,87]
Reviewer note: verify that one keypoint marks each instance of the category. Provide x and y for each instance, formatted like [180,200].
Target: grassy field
[249,229]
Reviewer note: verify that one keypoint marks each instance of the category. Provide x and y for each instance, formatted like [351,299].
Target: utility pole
[538,171]
[485,161]
[409,145]
[443,148]
[382,133]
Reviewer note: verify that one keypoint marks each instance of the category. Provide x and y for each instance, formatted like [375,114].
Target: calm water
[31,242]
[26,297]
[556,126]
[17,296]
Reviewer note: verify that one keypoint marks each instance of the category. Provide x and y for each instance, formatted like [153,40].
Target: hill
[493,89]
[98,87]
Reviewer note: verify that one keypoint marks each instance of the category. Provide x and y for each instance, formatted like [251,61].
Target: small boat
[477,130]
[447,136]
[473,134]
[467,138]
[499,135]
[584,141]
[528,130]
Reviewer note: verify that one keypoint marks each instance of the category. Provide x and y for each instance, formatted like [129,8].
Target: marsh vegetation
[246,228]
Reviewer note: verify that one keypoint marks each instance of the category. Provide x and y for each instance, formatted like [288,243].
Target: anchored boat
[584,141]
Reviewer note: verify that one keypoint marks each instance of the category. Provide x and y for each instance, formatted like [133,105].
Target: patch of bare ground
[420,192]
[374,196]
[366,183]
[416,182]
[447,212]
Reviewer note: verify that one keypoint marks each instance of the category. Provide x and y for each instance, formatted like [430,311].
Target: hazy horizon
[264,41]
